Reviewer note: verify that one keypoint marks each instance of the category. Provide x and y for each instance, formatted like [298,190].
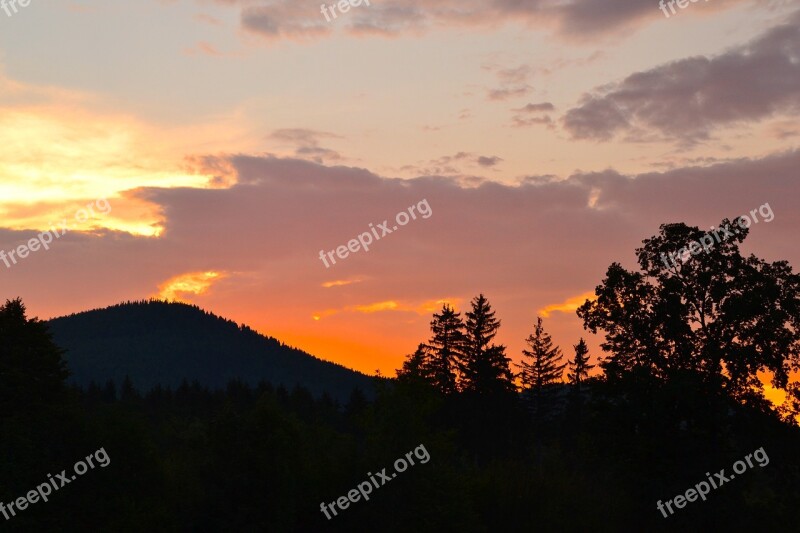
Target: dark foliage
[212,449]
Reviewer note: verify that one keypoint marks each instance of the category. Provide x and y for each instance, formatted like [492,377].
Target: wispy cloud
[420,308]
[340,283]
[570,305]
[307,143]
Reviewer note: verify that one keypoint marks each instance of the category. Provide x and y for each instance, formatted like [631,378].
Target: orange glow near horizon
[365,355]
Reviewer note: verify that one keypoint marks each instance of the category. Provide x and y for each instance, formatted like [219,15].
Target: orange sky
[549,142]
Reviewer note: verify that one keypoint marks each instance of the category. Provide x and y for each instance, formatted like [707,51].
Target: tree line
[462,357]
[718,321]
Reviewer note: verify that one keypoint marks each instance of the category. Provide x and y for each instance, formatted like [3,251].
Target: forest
[560,442]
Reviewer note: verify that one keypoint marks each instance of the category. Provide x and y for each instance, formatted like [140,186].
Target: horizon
[547,143]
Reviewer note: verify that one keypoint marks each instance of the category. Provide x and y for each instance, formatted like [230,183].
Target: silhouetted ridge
[160,343]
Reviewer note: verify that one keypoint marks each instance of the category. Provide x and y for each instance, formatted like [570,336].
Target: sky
[209,150]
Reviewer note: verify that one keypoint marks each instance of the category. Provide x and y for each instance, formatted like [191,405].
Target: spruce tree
[579,367]
[542,368]
[484,366]
[445,349]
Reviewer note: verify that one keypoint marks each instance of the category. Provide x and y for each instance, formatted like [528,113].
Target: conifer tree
[484,366]
[578,369]
[32,371]
[541,368]
[445,349]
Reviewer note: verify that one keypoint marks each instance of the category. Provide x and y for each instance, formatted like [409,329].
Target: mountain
[155,342]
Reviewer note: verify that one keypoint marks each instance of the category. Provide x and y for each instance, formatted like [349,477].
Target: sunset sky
[235,139]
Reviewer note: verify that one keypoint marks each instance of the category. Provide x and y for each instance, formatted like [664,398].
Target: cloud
[488,161]
[281,212]
[523,117]
[376,307]
[784,129]
[518,75]
[58,153]
[306,143]
[195,283]
[536,108]
[572,19]
[513,82]
[340,283]
[420,308]
[524,122]
[277,19]
[688,100]
[458,164]
[569,305]
[527,246]
[507,93]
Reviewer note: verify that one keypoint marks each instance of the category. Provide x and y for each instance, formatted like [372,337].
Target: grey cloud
[686,101]
[536,108]
[523,118]
[488,161]
[574,19]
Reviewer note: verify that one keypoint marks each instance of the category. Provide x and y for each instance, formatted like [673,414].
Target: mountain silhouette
[160,343]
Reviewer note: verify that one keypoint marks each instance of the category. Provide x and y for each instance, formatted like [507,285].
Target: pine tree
[542,368]
[484,366]
[445,349]
[579,367]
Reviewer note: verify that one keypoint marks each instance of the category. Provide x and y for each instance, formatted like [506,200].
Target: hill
[156,342]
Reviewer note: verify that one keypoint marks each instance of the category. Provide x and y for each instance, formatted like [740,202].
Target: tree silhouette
[578,368]
[485,367]
[445,349]
[542,368]
[716,314]
[32,371]
[414,368]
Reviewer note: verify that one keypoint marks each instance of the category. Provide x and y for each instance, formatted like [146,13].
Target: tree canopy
[714,313]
